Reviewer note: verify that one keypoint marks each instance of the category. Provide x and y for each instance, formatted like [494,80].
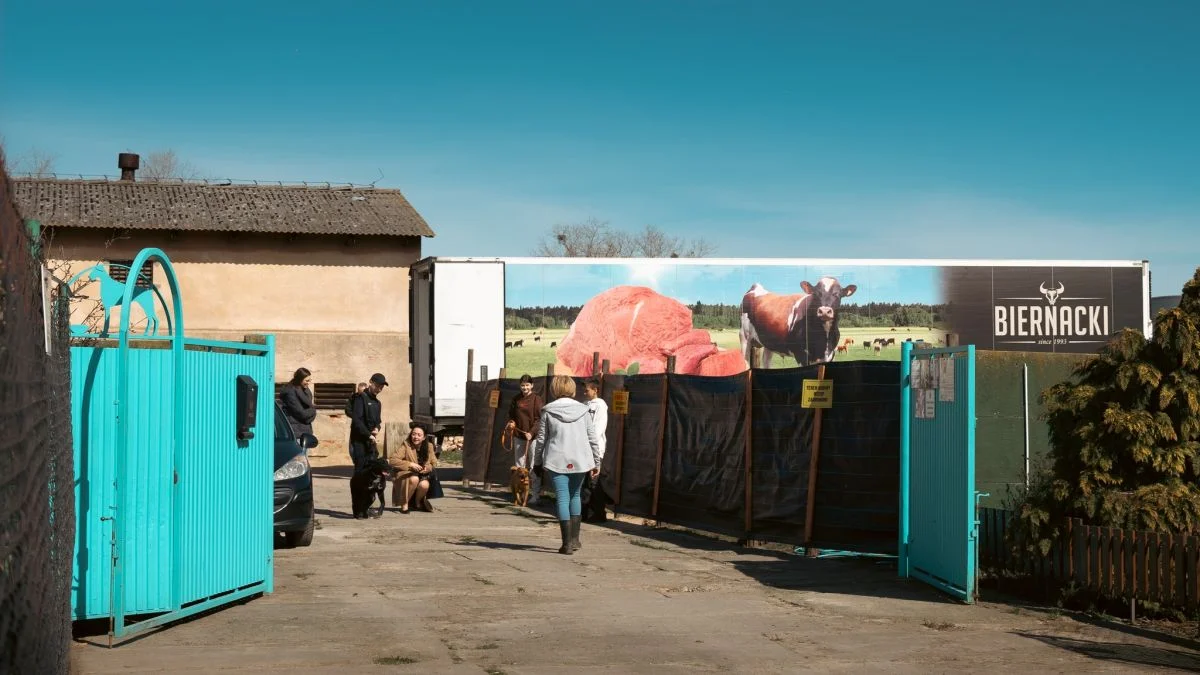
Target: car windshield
[282,429]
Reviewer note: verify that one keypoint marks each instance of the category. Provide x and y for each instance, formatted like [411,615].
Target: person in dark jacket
[366,420]
[296,399]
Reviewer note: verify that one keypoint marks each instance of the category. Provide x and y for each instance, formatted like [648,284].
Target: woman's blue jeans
[567,488]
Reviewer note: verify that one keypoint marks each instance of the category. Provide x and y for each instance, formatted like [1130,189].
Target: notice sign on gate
[816,394]
[620,404]
[494,398]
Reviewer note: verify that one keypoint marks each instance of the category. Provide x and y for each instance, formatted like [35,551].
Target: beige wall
[337,307]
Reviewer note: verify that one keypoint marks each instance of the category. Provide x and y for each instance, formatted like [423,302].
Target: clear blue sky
[874,128]
[574,285]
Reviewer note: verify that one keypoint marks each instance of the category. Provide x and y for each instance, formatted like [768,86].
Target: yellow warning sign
[620,404]
[816,394]
[494,398]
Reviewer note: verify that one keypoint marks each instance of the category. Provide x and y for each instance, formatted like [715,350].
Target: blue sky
[876,128]
[575,284]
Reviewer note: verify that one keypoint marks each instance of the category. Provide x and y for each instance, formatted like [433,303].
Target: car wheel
[303,537]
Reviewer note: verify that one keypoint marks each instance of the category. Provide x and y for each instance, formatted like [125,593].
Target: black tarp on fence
[698,426]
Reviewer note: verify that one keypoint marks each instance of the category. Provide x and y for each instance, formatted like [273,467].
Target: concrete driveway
[478,587]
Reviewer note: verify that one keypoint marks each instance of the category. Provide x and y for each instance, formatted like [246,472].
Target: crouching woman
[413,467]
[567,449]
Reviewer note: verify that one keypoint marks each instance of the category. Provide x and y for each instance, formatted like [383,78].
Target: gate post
[905,448]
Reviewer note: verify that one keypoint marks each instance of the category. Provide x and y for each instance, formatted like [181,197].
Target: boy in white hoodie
[591,486]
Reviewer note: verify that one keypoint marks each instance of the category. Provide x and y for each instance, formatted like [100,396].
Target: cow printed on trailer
[801,325]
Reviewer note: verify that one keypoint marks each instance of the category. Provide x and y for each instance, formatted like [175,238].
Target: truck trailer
[720,316]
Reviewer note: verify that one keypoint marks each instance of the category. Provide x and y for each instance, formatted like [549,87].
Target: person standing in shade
[567,450]
[523,416]
[296,399]
[366,420]
[593,497]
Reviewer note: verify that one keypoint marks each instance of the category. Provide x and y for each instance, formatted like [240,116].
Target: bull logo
[1051,294]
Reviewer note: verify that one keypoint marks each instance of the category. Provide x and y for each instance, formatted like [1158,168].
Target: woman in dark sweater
[296,399]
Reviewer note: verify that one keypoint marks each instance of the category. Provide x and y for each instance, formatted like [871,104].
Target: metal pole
[905,443]
[1025,412]
[814,461]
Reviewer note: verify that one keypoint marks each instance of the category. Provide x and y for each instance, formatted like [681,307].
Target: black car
[293,483]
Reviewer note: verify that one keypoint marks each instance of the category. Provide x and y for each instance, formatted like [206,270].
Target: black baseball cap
[379,379]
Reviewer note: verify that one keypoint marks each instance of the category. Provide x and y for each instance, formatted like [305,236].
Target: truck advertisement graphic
[720,316]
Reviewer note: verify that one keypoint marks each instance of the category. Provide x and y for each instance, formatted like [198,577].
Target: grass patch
[649,544]
[520,589]
[494,671]
[939,625]
[490,645]
[484,580]
[451,457]
[467,539]
[302,575]
[532,357]
[395,661]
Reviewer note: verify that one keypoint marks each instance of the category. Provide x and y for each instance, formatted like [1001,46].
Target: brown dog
[520,485]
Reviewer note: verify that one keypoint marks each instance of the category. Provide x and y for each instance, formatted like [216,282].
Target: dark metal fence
[37,510]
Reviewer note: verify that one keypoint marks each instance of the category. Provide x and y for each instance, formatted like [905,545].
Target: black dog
[594,500]
[367,484]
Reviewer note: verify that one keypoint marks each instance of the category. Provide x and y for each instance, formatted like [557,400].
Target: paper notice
[917,374]
[946,380]
[924,408]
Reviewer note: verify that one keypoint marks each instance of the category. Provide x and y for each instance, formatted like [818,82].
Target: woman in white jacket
[567,449]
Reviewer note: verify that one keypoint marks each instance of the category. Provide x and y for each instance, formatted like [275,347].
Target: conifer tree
[1125,435]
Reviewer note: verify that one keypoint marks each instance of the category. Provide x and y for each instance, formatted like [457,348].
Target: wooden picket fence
[1125,564]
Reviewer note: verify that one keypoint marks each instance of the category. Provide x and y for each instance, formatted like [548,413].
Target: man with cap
[366,421]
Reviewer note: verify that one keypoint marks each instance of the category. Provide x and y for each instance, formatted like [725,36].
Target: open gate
[938,527]
[174,441]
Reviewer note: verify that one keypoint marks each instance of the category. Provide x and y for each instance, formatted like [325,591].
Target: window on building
[329,396]
[332,395]
[119,271]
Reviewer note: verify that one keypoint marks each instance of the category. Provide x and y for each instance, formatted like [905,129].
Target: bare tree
[166,164]
[654,243]
[36,162]
[595,239]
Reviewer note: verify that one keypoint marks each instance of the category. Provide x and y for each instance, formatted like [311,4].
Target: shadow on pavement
[1132,654]
[338,472]
[336,515]
[499,545]
[849,575]
[451,474]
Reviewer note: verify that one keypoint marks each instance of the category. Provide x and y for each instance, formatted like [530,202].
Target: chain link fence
[37,502]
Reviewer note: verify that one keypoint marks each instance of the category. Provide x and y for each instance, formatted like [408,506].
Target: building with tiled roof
[322,267]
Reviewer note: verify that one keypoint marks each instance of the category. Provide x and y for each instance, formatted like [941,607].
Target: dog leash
[507,434]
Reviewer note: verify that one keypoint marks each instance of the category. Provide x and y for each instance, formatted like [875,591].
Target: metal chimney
[127,162]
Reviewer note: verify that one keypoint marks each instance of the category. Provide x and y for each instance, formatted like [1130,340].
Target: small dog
[367,485]
[520,486]
[594,501]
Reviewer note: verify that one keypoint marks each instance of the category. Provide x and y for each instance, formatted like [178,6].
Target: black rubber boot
[575,521]
[564,528]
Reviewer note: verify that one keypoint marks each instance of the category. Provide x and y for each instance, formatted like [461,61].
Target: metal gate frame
[939,527]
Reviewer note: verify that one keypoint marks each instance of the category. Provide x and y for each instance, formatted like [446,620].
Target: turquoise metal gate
[938,527]
[174,500]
